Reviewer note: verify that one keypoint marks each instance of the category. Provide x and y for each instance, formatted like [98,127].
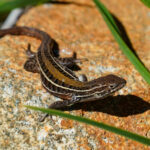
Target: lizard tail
[28,31]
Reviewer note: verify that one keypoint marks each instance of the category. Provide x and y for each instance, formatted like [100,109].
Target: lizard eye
[112,86]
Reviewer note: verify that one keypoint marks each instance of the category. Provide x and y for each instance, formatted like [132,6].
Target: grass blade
[8,5]
[123,46]
[130,135]
[146,2]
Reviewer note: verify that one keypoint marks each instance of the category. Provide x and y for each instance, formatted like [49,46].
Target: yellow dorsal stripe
[58,75]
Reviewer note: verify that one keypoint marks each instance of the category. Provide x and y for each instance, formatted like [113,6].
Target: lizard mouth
[121,85]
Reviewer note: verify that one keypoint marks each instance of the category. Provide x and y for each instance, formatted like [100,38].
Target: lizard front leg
[61,104]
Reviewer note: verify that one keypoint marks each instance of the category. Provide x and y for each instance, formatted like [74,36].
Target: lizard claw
[42,118]
[29,53]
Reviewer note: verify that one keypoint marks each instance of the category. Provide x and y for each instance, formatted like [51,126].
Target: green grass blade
[123,46]
[130,135]
[146,2]
[8,5]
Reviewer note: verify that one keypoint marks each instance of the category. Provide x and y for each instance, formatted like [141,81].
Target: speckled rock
[76,26]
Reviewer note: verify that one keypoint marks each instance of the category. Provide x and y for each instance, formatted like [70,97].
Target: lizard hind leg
[31,64]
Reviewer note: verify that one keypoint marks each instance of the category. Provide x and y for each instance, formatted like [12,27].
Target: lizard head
[108,84]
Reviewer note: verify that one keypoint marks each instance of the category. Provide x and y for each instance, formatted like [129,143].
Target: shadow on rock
[120,106]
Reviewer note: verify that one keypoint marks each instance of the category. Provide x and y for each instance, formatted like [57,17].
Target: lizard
[57,78]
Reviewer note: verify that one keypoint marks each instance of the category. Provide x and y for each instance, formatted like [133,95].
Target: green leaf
[123,46]
[146,2]
[101,125]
